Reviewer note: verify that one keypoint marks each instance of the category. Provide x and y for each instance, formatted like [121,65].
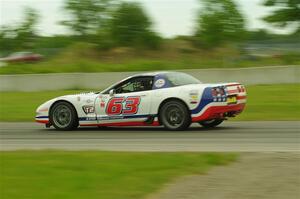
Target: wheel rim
[62,116]
[174,116]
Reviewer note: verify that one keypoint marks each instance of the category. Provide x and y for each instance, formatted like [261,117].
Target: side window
[126,87]
[135,85]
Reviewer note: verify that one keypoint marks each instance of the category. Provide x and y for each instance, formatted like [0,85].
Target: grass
[90,174]
[265,102]
[82,57]
[272,102]
[142,64]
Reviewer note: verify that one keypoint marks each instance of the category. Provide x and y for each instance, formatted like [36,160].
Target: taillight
[222,91]
[241,89]
[214,92]
[218,92]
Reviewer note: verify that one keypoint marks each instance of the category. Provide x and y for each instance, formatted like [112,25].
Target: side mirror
[112,92]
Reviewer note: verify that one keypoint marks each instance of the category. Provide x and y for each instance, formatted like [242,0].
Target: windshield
[179,79]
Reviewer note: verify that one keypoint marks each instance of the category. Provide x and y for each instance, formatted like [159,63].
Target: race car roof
[151,73]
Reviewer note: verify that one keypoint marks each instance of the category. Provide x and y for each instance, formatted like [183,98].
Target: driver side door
[130,102]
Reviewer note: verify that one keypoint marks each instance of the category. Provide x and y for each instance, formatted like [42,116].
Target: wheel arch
[172,99]
[66,101]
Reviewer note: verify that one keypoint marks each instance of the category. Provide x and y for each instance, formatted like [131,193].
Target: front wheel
[211,123]
[175,116]
[63,116]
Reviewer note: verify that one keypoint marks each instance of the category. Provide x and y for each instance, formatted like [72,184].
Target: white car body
[142,108]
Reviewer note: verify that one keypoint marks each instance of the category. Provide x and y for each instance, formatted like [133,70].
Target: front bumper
[42,119]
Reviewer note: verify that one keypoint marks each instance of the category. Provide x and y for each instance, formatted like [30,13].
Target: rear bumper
[214,112]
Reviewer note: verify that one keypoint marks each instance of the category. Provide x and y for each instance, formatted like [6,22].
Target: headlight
[88,109]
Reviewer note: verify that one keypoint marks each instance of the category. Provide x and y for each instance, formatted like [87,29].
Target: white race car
[172,99]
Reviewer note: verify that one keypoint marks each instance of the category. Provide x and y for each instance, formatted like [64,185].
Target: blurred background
[48,36]
[50,48]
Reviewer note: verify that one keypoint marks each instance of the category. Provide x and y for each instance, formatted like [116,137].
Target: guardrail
[96,81]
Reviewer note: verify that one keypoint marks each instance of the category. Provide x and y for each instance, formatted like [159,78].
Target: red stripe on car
[214,112]
[155,123]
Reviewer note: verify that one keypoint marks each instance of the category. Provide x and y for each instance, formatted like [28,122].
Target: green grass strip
[90,174]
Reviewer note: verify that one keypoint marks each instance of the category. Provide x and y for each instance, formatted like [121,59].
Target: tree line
[111,23]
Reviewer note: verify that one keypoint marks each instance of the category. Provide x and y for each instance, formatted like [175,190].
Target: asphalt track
[230,136]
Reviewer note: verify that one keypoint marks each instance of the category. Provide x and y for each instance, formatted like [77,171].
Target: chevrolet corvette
[174,100]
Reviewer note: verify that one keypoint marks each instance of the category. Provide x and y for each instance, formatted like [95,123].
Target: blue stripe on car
[113,117]
[205,100]
[41,117]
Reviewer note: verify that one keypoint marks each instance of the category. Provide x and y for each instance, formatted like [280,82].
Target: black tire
[175,116]
[211,123]
[103,127]
[63,116]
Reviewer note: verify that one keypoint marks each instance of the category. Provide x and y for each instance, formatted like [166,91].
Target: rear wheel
[63,116]
[211,123]
[175,116]
[103,127]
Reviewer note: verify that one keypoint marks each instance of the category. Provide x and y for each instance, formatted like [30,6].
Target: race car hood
[79,95]
[80,98]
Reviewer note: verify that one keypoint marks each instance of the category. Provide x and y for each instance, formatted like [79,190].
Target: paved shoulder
[264,176]
[230,136]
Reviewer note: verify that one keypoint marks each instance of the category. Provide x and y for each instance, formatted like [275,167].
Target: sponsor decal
[159,83]
[194,97]
[90,118]
[110,117]
[88,109]
[116,105]
[114,117]
[102,101]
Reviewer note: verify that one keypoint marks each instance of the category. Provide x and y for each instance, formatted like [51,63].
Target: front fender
[42,112]
[78,101]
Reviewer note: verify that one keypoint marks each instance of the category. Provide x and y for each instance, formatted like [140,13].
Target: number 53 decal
[116,105]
